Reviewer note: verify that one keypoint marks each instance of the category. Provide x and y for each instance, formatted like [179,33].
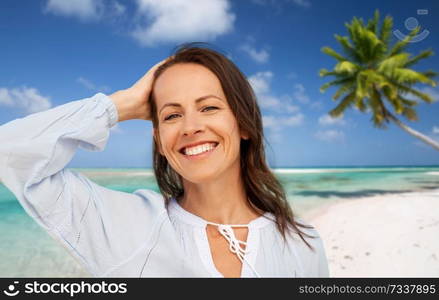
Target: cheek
[230,133]
[167,138]
[230,125]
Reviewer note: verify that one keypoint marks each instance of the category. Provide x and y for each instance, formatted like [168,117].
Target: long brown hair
[262,188]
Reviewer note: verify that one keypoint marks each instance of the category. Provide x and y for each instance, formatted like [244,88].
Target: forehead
[186,81]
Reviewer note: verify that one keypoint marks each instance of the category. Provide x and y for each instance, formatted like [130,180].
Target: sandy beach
[394,235]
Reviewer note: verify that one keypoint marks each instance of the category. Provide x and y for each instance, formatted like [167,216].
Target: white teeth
[199,149]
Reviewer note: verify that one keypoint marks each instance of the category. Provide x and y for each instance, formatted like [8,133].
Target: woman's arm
[132,103]
[100,227]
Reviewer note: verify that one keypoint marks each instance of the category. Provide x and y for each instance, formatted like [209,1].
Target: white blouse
[118,234]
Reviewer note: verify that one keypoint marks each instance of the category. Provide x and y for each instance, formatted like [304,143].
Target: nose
[192,125]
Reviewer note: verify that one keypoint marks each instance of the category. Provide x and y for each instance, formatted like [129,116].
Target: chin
[201,178]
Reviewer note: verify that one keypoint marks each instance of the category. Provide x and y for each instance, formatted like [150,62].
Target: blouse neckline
[192,219]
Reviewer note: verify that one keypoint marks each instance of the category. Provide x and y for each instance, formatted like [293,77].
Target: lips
[197,144]
[201,156]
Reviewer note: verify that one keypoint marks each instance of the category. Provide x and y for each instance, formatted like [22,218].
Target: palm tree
[372,74]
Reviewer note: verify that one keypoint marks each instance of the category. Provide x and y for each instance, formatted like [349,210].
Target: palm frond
[373,46]
[347,47]
[410,114]
[389,90]
[424,54]
[378,114]
[343,105]
[359,103]
[387,65]
[395,101]
[333,83]
[331,52]
[372,25]
[386,30]
[408,90]
[409,76]
[430,73]
[345,87]
[408,102]
[361,90]
[355,29]
[346,68]
[401,45]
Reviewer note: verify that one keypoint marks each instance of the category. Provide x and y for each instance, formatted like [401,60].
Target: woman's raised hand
[132,103]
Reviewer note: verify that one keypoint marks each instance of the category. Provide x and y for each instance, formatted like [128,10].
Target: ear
[156,137]
[244,135]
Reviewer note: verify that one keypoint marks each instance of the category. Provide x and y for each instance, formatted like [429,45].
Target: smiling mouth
[194,153]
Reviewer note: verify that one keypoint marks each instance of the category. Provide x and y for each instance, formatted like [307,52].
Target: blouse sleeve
[98,226]
[322,261]
[314,261]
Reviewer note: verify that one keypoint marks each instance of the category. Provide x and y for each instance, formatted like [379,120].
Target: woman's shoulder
[310,234]
[154,200]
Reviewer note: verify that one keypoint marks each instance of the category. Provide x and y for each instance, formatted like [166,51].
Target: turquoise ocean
[27,251]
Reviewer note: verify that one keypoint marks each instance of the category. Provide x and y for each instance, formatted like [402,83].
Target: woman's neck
[222,201]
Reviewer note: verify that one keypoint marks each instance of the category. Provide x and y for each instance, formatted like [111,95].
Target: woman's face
[192,108]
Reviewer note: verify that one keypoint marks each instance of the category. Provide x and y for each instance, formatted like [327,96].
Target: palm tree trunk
[413,132]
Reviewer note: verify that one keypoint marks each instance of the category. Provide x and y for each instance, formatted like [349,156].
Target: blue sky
[57,51]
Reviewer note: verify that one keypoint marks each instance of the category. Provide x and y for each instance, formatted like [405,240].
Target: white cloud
[182,20]
[277,124]
[330,135]
[293,121]
[435,130]
[118,9]
[260,56]
[154,21]
[91,86]
[287,107]
[299,93]
[85,10]
[260,83]
[270,122]
[433,92]
[327,120]
[6,98]
[27,99]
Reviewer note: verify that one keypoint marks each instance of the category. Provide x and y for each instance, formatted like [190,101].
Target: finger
[157,65]
[147,77]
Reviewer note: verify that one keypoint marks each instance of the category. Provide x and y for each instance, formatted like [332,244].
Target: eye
[214,107]
[169,117]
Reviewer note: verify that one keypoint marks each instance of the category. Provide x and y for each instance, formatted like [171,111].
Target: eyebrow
[196,101]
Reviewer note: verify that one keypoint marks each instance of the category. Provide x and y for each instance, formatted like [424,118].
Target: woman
[221,212]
